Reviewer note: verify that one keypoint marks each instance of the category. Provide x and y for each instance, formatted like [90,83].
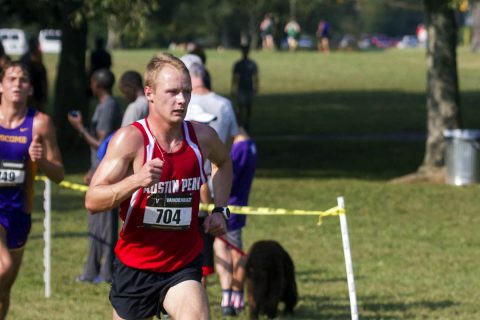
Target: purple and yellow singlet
[17,174]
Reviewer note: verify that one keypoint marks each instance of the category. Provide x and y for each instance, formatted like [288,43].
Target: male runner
[153,169]
[27,143]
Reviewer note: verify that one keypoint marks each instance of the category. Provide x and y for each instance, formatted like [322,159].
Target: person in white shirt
[225,124]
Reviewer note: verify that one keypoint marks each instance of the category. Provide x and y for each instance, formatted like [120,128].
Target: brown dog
[270,278]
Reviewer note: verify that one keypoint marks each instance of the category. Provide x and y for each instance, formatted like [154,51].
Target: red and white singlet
[160,232]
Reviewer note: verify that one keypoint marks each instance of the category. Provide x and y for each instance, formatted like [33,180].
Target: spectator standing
[422,34]
[230,264]
[225,124]
[102,227]
[38,74]
[244,87]
[292,29]
[198,51]
[153,170]
[100,58]
[323,36]
[131,86]
[266,32]
[27,143]
[475,17]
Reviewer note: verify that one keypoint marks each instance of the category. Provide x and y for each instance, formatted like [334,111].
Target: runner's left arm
[44,148]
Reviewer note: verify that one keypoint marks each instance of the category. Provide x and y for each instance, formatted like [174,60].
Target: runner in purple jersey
[27,143]
[244,159]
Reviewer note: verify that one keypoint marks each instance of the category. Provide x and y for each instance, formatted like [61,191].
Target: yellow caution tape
[40,178]
[335,211]
[66,184]
[74,186]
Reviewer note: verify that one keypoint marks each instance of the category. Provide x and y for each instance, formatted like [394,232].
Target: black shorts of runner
[207,253]
[139,294]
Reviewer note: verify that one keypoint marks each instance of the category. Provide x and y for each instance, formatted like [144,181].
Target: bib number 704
[166,216]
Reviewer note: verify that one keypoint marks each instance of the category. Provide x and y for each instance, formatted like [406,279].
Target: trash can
[461,158]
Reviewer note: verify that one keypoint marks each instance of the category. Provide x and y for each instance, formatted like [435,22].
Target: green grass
[414,247]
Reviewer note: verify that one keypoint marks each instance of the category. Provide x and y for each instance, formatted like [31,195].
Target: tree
[70,88]
[71,83]
[72,17]
[443,99]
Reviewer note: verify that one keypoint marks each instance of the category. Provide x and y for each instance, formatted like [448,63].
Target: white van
[14,41]
[50,40]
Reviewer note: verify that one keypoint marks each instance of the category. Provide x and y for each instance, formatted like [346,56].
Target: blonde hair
[158,62]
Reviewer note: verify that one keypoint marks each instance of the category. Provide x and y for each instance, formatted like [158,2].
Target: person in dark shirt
[198,51]
[38,75]
[323,36]
[100,58]
[102,228]
[244,87]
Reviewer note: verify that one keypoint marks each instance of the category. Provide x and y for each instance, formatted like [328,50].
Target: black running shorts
[139,294]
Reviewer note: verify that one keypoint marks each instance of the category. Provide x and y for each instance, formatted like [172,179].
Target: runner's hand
[150,173]
[215,224]
[35,150]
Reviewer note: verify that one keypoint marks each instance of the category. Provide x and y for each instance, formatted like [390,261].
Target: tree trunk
[70,89]
[442,82]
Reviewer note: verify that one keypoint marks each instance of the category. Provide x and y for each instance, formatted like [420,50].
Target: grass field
[319,123]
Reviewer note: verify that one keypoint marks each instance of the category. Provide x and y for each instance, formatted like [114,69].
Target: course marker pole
[47,236]
[348,260]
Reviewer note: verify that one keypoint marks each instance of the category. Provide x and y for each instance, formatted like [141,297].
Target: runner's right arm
[121,172]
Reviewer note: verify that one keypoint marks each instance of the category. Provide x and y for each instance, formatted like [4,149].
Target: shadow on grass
[329,114]
[350,111]
[370,160]
[338,112]
[337,308]
[405,307]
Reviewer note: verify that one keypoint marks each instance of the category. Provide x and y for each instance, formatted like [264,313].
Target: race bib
[12,173]
[168,211]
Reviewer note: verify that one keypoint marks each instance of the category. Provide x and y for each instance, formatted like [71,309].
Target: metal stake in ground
[348,260]
[47,236]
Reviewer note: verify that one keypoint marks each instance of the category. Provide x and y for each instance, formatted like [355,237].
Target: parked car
[304,41]
[382,41]
[14,41]
[50,40]
[348,42]
[307,42]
